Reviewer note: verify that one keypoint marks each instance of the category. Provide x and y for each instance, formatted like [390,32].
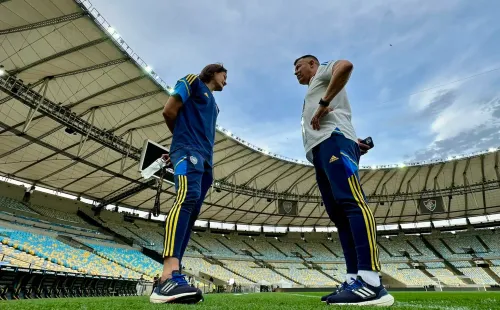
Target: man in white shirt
[332,147]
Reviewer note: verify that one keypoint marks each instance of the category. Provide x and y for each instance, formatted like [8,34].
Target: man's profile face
[220,80]
[304,70]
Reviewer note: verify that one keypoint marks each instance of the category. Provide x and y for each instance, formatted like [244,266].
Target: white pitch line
[405,304]
[419,306]
[304,295]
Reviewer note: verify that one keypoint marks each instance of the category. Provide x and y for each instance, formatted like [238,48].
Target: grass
[268,301]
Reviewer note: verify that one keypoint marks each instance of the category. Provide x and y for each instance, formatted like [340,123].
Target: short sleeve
[185,87]
[326,73]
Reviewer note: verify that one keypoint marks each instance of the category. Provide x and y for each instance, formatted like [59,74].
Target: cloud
[398,48]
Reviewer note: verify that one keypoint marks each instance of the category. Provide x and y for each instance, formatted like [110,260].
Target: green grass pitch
[268,301]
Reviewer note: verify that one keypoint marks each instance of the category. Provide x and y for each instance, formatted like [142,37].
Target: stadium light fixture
[2,71]
[111,30]
[148,69]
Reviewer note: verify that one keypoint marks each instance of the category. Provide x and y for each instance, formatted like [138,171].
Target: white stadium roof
[65,49]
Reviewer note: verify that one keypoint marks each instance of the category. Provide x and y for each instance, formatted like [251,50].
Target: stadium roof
[67,51]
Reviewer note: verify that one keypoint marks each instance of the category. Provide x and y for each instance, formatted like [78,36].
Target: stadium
[79,108]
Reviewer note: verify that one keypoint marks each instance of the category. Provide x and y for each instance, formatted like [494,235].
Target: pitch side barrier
[29,283]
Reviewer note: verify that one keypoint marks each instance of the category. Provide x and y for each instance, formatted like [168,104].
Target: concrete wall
[43,199]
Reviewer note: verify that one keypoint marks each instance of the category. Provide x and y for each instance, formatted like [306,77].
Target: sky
[424,85]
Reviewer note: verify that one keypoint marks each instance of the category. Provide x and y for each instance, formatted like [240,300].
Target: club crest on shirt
[206,94]
[193,160]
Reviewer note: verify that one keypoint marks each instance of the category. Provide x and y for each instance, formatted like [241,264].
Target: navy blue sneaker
[360,293]
[176,290]
[339,289]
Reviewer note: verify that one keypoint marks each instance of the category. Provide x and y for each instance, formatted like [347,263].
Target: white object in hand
[151,170]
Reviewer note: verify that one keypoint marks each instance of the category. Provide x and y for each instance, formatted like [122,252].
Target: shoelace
[342,287]
[180,279]
[354,285]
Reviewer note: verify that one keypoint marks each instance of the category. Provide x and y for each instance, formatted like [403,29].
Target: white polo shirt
[338,120]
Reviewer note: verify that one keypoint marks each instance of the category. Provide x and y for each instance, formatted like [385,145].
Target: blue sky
[398,47]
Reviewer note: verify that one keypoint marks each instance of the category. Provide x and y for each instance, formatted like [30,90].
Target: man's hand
[166,159]
[363,147]
[320,113]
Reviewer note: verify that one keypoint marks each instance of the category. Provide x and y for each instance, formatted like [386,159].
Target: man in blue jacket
[191,115]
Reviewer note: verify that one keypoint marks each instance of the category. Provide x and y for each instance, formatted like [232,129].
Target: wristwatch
[324,103]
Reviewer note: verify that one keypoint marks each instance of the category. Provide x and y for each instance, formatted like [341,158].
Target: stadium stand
[129,258]
[225,256]
[14,205]
[47,247]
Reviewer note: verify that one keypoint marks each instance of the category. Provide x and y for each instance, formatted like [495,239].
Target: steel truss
[62,114]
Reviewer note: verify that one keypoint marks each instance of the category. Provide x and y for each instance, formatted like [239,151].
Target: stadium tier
[310,261]
[57,252]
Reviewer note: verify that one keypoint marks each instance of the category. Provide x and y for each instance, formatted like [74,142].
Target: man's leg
[339,157]
[338,216]
[188,175]
[206,182]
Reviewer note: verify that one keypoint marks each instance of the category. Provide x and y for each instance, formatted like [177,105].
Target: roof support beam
[305,176]
[406,191]
[261,173]
[110,104]
[226,160]
[398,191]
[450,196]
[70,73]
[34,109]
[483,179]
[57,55]
[45,23]
[124,83]
[83,139]
[466,185]
[53,148]
[285,175]
[245,166]
[497,171]
[92,68]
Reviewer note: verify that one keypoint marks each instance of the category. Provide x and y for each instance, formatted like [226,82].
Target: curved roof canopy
[67,53]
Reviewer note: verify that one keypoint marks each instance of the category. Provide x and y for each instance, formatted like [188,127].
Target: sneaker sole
[385,301]
[179,298]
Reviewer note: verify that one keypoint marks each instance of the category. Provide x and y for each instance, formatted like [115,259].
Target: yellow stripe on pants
[365,217]
[374,224]
[169,218]
[177,212]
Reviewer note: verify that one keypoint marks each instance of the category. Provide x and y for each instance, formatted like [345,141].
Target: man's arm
[181,93]
[341,72]
[170,111]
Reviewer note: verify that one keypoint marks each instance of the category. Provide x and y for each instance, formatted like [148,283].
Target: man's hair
[207,74]
[307,56]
